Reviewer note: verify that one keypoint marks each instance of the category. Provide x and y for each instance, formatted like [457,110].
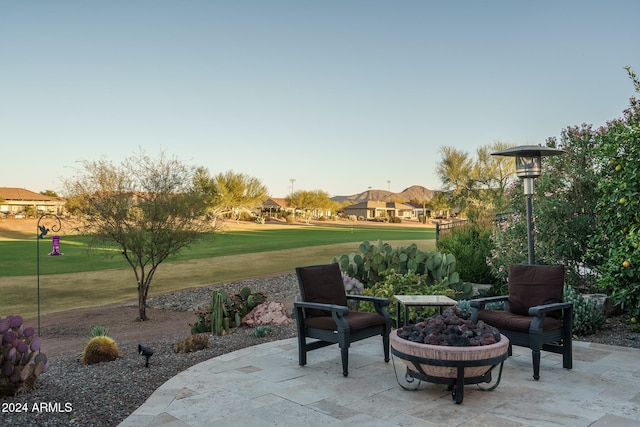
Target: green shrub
[409,283]
[471,244]
[587,318]
[246,216]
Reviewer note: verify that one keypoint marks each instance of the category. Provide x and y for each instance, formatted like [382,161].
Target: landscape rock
[270,313]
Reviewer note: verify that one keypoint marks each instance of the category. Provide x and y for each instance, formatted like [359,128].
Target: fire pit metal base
[455,373]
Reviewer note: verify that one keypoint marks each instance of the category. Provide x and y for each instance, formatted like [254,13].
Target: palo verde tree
[229,193]
[146,207]
[476,184]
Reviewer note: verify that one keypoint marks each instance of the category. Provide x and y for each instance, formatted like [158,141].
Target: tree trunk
[142,301]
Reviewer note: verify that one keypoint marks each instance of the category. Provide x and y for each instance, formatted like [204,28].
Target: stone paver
[264,386]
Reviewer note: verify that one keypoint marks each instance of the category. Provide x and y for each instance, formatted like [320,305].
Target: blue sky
[338,95]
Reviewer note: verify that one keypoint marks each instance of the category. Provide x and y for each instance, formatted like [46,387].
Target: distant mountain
[415,192]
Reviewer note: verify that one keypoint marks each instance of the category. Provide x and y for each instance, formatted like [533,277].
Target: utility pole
[292,180]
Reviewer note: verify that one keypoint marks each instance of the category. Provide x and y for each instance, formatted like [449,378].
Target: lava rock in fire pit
[452,328]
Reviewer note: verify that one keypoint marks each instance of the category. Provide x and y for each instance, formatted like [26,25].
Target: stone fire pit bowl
[454,366]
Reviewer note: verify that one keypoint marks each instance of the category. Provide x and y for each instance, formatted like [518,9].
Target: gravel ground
[104,394]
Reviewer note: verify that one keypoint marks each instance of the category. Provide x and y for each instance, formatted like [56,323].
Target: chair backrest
[531,285]
[321,284]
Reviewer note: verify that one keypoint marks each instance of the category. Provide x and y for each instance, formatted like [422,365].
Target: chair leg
[344,352]
[385,344]
[302,350]
[536,345]
[567,353]
[535,355]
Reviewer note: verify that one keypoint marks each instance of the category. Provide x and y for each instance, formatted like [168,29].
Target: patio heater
[529,167]
[42,231]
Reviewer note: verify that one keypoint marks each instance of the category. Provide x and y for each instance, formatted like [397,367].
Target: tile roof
[11,193]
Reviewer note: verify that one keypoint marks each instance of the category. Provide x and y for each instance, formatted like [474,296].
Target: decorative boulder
[269,313]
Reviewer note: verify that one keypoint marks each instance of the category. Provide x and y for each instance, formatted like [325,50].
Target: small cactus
[262,331]
[100,349]
[226,311]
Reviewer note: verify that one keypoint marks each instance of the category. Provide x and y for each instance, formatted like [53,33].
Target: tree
[456,173]
[49,193]
[207,189]
[146,207]
[563,211]
[229,193]
[311,203]
[476,185]
[617,241]
[440,203]
[493,174]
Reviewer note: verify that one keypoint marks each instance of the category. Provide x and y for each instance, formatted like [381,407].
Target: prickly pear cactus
[21,361]
[370,265]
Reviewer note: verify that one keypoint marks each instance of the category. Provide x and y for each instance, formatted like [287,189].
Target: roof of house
[11,193]
[276,202]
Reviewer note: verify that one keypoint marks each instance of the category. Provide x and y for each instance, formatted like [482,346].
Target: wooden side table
[420,301]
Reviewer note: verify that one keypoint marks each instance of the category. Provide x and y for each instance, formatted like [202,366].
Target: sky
[339,96]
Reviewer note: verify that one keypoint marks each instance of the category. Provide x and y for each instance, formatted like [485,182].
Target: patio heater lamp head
[528,161]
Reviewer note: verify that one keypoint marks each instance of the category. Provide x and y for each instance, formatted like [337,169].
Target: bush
[409,283]
[471,244]
[191,344]
[617,239]
[246,216]
[587,318]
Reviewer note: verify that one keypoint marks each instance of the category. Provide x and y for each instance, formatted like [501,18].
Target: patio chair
[534,313]
[323,314]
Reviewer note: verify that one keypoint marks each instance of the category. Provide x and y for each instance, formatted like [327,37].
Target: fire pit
[447,363]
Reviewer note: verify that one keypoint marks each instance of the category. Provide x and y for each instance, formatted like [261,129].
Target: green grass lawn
[82,278]
[18,258]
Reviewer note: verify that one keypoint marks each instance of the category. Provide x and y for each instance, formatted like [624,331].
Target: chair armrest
[334,308]
[481,302]
[379,304]
[540,310]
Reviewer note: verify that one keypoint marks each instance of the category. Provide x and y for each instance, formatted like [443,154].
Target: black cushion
[531,285]
[322,284]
